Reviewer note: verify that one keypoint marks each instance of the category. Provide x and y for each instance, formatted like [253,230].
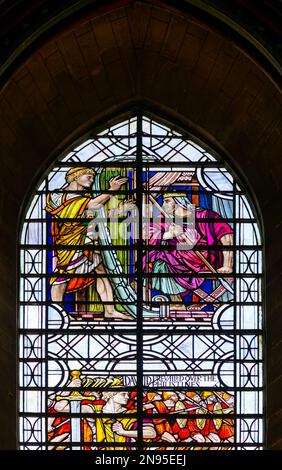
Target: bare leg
[58,291]
[105,291]
[65,437]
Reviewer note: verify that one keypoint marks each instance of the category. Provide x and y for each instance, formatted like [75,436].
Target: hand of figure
[175,230]
[225,270]
[117,181]
[128,205]
[118,428]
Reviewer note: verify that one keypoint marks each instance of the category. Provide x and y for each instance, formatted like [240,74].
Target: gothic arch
[202,345]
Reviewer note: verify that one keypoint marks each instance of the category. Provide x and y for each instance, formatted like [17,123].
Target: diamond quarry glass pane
[182,349]
[106,149]
[140,288]
[101,347]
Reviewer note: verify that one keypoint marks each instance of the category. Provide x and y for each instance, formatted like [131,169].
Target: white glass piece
[32,317]
[32,401]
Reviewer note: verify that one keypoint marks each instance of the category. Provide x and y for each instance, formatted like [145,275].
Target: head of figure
[120,397]
[177,204]
[208,397]
[169,204]
[81,177]
[194,396]
[170,398]
[153,396]
[117,397]
[230,400]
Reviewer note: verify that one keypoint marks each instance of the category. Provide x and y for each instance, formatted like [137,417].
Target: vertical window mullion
[139,321]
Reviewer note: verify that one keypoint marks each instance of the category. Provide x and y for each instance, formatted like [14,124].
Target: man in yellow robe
[123,428]
[69,207]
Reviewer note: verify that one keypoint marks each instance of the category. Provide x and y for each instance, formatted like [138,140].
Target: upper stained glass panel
[140,299]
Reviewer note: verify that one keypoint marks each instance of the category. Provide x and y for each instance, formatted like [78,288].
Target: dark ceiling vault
[256,24]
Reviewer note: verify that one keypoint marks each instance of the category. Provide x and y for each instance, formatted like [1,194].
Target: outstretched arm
[115,183]
[148,431]
[122,209]
[120,431]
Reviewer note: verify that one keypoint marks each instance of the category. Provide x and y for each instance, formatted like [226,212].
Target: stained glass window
[140,298]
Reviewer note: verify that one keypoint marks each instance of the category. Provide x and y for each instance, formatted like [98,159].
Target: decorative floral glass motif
[140,311]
